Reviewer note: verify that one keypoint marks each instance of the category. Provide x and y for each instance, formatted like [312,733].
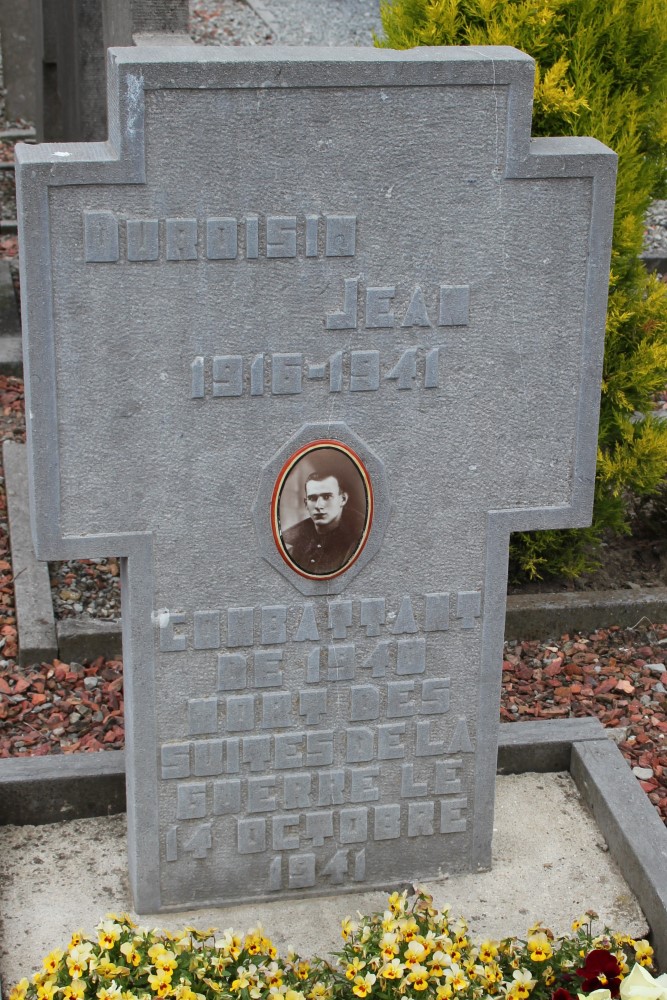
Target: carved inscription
[377,306]
[109,238]
[226,376]
[262,766]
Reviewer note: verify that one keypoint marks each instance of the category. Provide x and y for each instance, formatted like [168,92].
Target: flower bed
[409,950]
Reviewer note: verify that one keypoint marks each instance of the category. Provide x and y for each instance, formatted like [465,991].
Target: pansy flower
[600,971]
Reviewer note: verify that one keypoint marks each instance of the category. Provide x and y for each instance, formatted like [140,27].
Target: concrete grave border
[39,790]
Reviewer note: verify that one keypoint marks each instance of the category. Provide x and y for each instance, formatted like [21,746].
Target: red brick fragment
[606,686]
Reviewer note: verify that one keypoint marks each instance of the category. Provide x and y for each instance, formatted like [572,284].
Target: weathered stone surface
[32,591]
[19,69]
[297,260]
[10,324]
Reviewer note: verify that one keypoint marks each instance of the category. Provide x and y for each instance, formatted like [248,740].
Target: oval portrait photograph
[322,509]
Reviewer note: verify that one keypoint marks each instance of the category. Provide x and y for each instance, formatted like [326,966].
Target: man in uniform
[328,538]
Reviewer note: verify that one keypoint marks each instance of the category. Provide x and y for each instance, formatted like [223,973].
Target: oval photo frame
[322,509]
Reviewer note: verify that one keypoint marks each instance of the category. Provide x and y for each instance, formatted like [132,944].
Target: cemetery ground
[63,708]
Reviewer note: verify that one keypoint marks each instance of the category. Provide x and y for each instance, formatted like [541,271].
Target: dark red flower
[561,994]
[600,971]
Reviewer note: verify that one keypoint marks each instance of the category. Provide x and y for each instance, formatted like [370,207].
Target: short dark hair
[319,476]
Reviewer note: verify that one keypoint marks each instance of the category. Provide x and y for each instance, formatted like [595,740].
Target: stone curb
[41,790]
[636,837]
[655,261]
[540,616]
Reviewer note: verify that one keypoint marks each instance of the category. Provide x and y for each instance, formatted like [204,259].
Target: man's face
[325,502]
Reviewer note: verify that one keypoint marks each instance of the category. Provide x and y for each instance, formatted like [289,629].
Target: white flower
[595,995]
[640,985]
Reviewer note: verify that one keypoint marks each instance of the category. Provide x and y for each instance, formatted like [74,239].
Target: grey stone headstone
[70,41]
[347,262]
[19,69]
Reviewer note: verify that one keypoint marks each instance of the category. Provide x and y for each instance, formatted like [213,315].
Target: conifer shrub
[601,70]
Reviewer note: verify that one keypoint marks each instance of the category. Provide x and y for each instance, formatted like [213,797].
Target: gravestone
[19,71]
[306,340]
[62,47]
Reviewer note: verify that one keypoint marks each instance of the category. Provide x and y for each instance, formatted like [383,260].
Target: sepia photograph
[322,509]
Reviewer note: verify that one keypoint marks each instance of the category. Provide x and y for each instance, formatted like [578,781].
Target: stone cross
[305,340]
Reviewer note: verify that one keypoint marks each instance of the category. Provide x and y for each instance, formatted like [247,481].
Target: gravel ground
[287,22]
[655,237]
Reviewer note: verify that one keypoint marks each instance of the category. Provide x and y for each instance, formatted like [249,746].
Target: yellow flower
[213,985]
[78,959]
[201,935]
[438,963]
[273,975]
[392,970]
[492,973]
[488,951]
[253,944]
[112,992]
[76,939]
[74,990]
[416,948]
[108,933]
[623,965]
[409,928]
[166,961]
[443,992]
[46,989]
[318,992]
[303,970]
[230,944]
[539,947]
[109,970]
[129,950]
[183,991]
[363,985]
[20,990]
[396,902]
[354,968]
[522,986]
[347,928]
[242,982]
[455,978]
[643,952]
[418,978]
[52,961]
[160,983]
[579,923]
[294,995]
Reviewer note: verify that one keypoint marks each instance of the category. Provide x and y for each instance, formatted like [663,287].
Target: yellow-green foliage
[601,70]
